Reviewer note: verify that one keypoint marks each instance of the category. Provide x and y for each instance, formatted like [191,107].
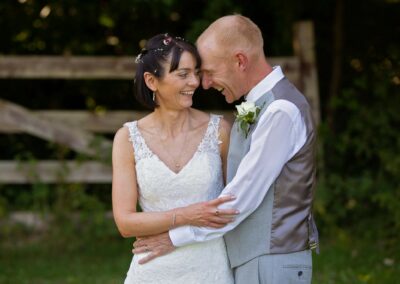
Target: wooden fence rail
[102,122]
[95,67]
[76,129]
[54,172]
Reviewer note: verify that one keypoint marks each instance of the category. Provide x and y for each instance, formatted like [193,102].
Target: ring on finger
[216,212]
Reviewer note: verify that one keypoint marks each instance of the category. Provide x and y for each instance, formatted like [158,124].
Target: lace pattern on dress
[139,145]
[210,142]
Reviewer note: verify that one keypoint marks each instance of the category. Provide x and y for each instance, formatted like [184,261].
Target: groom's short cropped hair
[234,32]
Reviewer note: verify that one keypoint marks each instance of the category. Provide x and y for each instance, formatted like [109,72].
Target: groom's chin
[230,100]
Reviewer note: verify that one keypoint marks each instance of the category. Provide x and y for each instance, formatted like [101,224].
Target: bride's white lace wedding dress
[162,189]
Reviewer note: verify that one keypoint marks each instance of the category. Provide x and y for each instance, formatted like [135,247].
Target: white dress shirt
[279,135]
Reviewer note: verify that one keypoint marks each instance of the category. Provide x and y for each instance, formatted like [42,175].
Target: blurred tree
[358,64]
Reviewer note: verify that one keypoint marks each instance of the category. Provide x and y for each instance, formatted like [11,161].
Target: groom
[271,163]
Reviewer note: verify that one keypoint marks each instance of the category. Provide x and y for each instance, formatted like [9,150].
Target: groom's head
[231,49]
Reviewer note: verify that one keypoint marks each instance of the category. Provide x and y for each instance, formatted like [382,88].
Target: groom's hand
[156,245]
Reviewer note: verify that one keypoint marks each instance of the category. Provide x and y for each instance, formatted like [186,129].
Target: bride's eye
[183,75]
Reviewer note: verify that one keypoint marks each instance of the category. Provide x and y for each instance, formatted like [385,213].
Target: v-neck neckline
[161,161]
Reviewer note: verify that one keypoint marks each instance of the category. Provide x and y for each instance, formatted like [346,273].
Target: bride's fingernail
[237,211]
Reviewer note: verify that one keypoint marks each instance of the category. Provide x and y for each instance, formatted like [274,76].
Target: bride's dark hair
[150,59]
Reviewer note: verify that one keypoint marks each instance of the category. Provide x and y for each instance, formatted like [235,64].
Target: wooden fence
[77,129]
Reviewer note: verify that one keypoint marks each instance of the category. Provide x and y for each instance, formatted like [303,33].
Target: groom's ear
[241,61]
[150,80]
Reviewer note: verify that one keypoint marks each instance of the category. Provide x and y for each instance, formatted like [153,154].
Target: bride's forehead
[187,59]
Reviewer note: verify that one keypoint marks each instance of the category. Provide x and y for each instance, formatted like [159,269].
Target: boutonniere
[246,116]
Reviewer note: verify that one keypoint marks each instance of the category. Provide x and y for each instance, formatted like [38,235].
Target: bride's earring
[154,96]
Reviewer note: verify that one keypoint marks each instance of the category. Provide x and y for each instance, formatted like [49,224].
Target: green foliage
[358,186]
[361,185]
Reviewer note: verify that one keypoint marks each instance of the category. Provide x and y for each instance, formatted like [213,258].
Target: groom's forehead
[210,60]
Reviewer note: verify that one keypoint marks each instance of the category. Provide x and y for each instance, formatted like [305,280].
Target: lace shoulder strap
[140,148]
[210,142]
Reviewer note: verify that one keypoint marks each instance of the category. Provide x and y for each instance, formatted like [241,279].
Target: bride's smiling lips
[187,93]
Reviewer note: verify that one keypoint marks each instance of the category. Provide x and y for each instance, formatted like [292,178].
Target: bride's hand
[206,214]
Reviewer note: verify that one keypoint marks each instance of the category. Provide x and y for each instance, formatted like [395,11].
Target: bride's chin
[187,106]
[187,103]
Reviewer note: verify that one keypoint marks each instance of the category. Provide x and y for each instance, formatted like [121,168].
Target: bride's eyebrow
[184,69]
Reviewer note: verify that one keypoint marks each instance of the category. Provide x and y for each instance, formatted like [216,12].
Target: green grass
[107,261]
[354,260]
[97,262]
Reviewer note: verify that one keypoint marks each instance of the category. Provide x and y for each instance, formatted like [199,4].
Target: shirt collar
[265,84]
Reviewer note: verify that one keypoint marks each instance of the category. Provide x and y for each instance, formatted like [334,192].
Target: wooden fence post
[303,45]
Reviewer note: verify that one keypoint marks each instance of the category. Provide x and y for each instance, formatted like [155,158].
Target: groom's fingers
[145,244]
[139,243]
[160,250]
[140,250]
[149,257]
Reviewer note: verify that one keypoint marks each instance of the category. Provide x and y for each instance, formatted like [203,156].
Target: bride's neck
[172,122]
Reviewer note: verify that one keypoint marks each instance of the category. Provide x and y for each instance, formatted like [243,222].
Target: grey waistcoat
[283,222]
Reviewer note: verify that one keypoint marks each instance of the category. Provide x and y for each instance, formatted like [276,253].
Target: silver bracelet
[173,220]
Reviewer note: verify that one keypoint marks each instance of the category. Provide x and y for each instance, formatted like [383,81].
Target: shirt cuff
[181,236]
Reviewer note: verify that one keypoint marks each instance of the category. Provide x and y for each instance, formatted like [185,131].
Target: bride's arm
[125,195]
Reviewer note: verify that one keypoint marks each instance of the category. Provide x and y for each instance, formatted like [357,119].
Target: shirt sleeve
[279,135]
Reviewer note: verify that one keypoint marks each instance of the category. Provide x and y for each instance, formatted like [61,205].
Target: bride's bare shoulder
[200,117]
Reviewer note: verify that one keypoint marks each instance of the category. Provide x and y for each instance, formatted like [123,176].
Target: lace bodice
[162,189]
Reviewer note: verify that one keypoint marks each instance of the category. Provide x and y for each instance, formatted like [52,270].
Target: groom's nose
[206,81]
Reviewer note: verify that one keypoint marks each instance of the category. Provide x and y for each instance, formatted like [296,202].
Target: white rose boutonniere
[246,116]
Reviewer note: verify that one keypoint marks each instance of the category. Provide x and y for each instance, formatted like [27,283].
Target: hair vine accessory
[140,55]
[139,58]
[167,40]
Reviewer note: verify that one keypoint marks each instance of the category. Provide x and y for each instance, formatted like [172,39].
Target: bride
[169,160]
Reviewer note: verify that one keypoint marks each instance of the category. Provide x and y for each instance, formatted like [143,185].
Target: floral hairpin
[180,38]
[139,58]
[140,55]
[167,40]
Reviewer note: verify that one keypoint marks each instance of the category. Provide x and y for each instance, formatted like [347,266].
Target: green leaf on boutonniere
[246,116]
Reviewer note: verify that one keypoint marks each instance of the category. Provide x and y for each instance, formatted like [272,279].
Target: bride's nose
[194,80]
